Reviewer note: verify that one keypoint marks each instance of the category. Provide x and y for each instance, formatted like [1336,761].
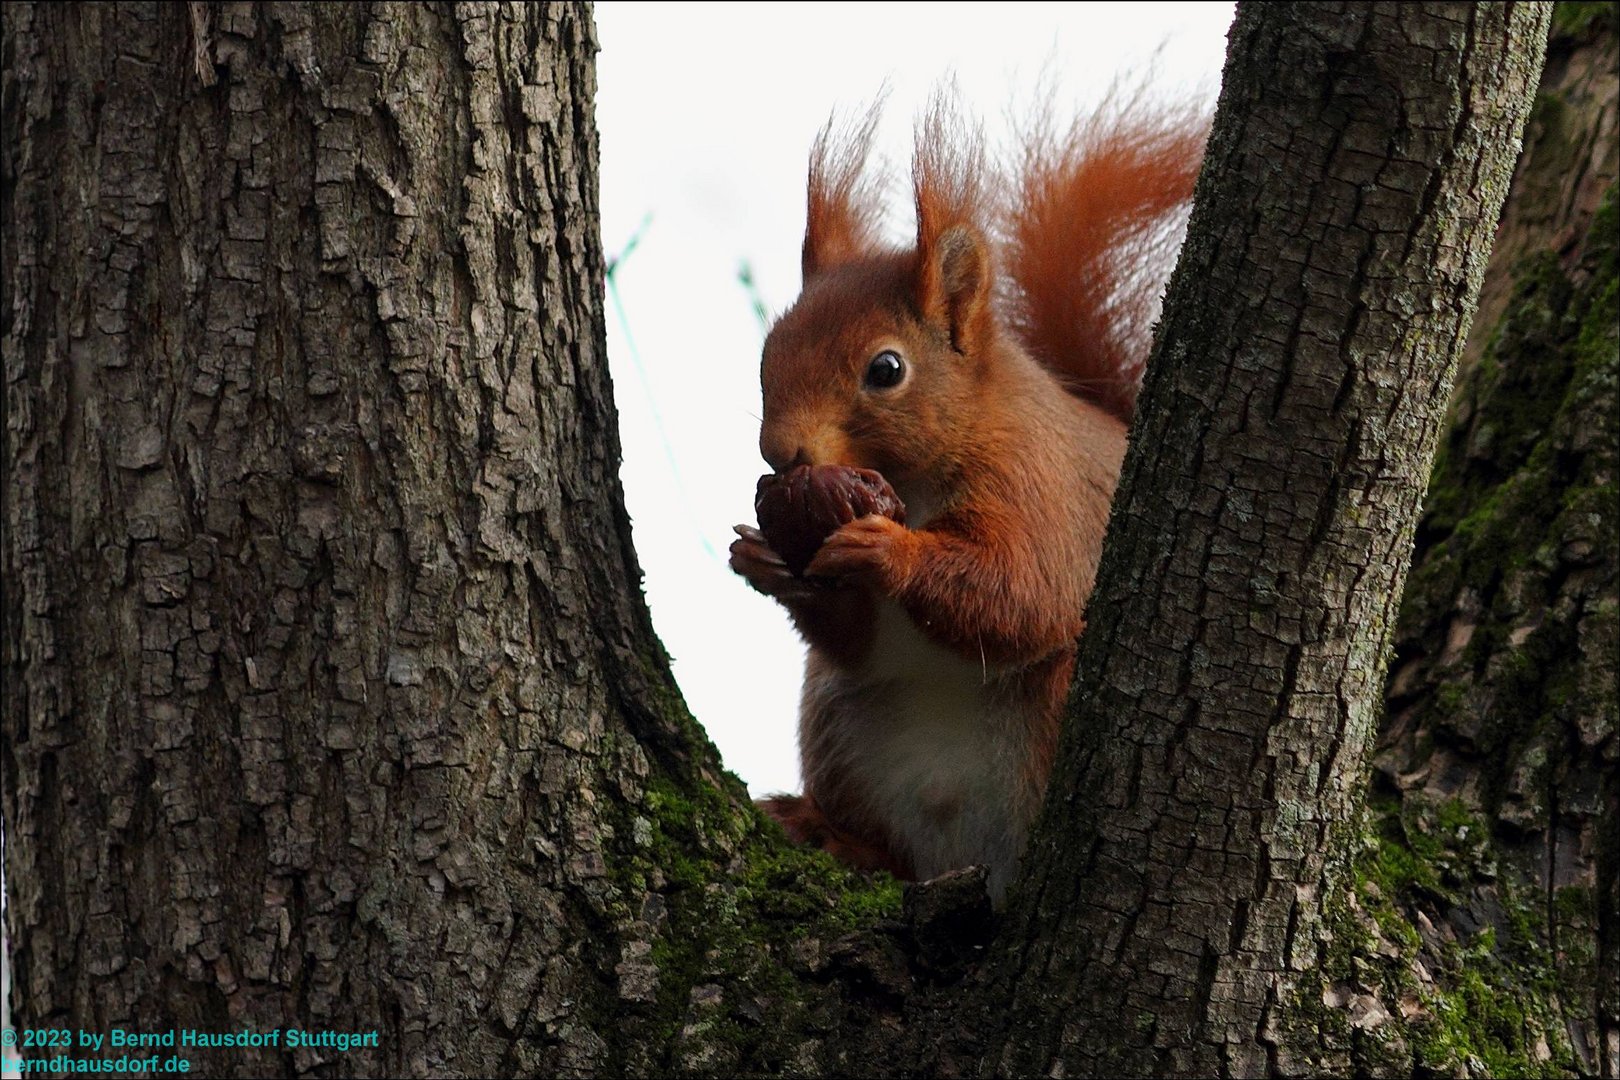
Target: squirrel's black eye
[886,370]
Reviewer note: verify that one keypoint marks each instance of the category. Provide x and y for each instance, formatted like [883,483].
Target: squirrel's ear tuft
[843,205]
[954,279]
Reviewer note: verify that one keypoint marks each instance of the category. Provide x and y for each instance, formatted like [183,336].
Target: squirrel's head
[884,351]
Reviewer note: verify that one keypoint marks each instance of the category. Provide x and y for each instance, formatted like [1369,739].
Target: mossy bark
[1493,866]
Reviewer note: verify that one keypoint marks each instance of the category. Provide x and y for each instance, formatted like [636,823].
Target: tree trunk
[1204,807]
[330,702]
[321,636]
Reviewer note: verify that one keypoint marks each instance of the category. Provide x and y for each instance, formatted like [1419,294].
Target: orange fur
[1091,234]
[940,652]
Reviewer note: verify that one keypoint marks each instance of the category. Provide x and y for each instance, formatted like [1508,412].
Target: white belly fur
[921,740]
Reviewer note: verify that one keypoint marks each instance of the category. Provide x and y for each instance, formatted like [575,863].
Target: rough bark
[1493,882]
[1568,161]
[311,479]
[1204,806]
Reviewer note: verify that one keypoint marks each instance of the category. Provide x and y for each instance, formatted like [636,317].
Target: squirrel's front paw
[872,551]
[753,558]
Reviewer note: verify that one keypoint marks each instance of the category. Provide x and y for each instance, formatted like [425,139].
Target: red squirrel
[995,401]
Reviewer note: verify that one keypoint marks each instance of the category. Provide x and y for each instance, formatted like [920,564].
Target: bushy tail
[1089,239]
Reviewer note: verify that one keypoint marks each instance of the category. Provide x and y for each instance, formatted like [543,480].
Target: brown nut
[800,508]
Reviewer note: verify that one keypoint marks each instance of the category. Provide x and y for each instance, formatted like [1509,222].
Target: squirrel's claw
[753,558]
[861,552]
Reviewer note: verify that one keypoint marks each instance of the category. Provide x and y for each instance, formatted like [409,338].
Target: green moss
[1475,1022]
[1603,239]
[1489,1003]
[720,899]
[1422,851]
[1575,905]
[1523,485]
[1491,1013]
[1399,869]
[1451,697]
[1577,20]
[738,896]
[1519,390]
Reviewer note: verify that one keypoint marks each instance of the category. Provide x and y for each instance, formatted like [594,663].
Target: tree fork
[329,699]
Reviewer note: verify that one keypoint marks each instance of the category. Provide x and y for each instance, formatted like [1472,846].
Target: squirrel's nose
[787,445]
[781,458]
[783,446]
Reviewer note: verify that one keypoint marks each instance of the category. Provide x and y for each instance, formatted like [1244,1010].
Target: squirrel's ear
[948,171]
[953,285]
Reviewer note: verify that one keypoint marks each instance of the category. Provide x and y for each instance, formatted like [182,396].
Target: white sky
[706,115]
